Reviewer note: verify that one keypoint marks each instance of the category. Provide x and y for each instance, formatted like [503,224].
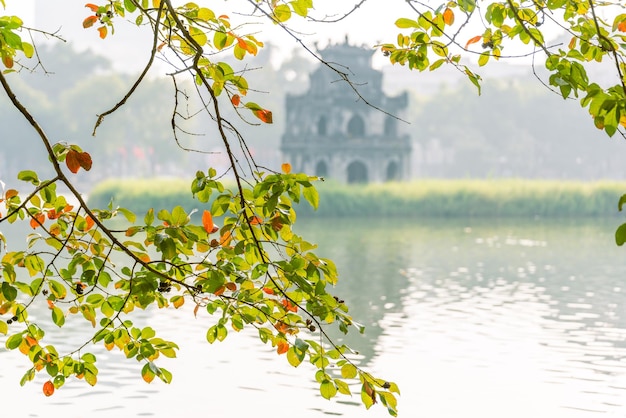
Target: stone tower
[331,133]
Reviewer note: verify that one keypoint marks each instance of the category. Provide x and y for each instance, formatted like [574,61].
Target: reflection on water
[470,318]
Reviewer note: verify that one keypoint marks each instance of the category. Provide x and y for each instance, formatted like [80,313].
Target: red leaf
[48,388]
[207,221]
[473,40]
[71,160]
[84,159]
[264,114]
[87,23]
[93,7]
[235,100]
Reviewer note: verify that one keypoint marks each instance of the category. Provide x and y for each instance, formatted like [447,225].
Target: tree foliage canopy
[239,260]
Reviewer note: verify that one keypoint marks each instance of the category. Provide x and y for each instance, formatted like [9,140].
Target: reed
[420,198]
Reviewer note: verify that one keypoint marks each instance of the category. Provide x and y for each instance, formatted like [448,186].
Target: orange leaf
[286,167]
[50,304]
[87,23]
[71,160]
[90,222]
[30,341]
[283,347]
[225,238]
[572,43]
[622,26]
[52,214]
[55,229]
[11,193]
[268,290]
[264,114]
[7,60]
[281,327]
[219,291]
[144,257]
[256,220]
[37,220]
[448,17]
[68,208]
[231,286]
[48,388]
[93,7]
[235,100]
[473,40]
[289,306]
[207,221]
[103,31]
[84,159]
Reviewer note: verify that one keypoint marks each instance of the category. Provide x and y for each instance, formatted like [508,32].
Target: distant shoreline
[419,198]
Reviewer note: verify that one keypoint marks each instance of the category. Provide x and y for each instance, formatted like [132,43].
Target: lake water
[470,318]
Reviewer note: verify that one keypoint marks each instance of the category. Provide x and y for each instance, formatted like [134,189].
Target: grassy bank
[420,198]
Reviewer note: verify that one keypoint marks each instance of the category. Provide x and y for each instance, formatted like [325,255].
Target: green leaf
[328,389]
[404,23]
[621,202]
[295,356]
[13,341]
[130,217]
[198,35]
[483,59]
[9,292]
[211,334]
[620,235]
[28,175]
[282,13]
[130,6]
[348,371]
[312,196]
[149,218]
[57,316]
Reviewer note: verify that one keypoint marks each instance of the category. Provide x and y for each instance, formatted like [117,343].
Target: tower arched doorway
[392,172]
[357,172]
[356,127]
[321,169]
